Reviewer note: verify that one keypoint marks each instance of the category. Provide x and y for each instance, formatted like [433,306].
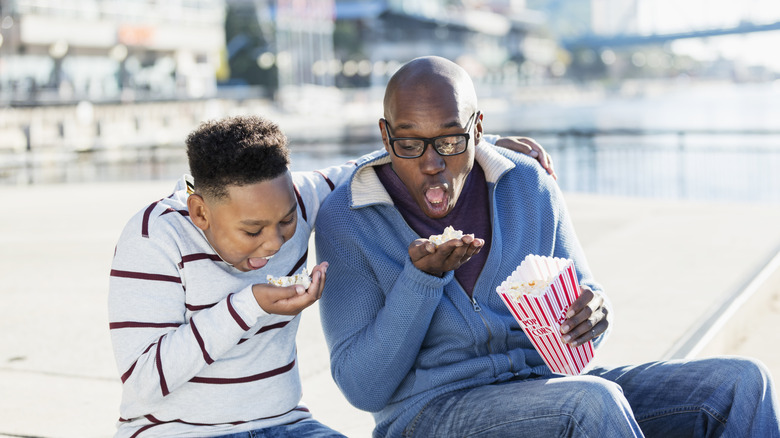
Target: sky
[669,16]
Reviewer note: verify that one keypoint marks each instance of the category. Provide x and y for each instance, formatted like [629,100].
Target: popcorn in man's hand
[448,234]
[303,279]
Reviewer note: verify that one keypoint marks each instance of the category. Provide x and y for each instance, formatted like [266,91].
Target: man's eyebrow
[256,222]
[409,126]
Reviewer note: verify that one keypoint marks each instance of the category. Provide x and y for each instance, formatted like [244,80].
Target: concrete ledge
[664,264]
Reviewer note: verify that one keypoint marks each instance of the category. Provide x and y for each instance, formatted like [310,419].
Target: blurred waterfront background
[663,117]
[649,98]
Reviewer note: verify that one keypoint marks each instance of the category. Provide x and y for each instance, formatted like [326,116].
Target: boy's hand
[529,146]
[291,300]
[448,256]
[586,318]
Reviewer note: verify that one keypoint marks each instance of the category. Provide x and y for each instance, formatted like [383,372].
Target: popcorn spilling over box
[303,279]
[539,293]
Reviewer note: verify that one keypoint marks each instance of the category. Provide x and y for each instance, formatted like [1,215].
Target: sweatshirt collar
[366,189]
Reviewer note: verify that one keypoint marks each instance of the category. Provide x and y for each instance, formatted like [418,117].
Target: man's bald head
[421,76]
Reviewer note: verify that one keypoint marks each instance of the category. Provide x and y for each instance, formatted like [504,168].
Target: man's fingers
[420,248]
[596,330]
[586,295]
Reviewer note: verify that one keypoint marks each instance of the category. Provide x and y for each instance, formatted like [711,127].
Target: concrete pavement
[666,265]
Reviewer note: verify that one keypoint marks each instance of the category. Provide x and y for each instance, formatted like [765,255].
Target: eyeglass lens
[449,145]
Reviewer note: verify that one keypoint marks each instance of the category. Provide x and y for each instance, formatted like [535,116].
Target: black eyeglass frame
[432,140]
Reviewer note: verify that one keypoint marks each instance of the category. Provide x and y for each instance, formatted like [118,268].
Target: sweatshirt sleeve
[156,346]
[373,332]
[313,187]
[567,245]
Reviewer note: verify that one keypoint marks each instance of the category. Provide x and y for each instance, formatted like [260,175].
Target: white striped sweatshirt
[196,354]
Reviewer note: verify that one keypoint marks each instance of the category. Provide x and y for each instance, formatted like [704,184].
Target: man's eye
[449,145]
[407,146]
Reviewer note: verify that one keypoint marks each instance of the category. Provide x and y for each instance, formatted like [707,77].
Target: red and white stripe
[541,317]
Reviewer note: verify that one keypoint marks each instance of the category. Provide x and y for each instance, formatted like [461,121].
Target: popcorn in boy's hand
[448,234]
[303,279]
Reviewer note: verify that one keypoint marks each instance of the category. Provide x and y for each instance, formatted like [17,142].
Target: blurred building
[64,50]
[499,39]
[360,43]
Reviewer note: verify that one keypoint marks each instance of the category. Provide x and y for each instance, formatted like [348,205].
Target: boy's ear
[198,211]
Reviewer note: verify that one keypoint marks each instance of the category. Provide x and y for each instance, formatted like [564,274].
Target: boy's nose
[274,241]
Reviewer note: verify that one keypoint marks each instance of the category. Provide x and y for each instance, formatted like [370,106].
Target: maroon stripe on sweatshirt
[129,372]
[140,324]
[299,263]
[145,276]
[300,202]
[145,222]
[173,210]
[244,326]
[202,345]
[198,256]
[196,307]
[266,328]
[157,421]
[139,431]
[163,384]
[327,180]
[232,380]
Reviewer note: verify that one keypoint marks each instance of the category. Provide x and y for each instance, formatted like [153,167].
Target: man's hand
[530,147]
[291,300]
[586,318]
[448,256]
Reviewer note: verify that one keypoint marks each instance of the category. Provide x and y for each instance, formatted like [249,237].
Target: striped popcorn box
[538,293]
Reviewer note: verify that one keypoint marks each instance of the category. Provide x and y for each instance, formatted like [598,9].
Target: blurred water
[705,143]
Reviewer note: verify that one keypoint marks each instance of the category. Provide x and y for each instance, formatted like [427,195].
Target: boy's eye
[254,234]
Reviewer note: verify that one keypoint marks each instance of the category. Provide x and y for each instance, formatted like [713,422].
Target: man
[417,333]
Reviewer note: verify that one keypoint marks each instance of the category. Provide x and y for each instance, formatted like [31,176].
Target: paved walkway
[666,265]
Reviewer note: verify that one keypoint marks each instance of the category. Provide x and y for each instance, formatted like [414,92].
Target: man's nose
[432,162]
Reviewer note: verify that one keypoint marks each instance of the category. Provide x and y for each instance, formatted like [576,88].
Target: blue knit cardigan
[398,337]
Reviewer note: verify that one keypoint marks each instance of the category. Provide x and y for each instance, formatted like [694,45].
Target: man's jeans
[726,396]
[308,428]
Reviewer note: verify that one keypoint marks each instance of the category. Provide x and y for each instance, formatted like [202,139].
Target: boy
[204,346]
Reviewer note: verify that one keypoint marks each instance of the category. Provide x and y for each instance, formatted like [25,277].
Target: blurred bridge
[627,39]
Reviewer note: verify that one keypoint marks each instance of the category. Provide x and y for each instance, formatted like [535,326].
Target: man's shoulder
[335,205]
[525,167]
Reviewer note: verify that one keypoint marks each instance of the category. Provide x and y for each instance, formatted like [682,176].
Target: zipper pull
[475,305]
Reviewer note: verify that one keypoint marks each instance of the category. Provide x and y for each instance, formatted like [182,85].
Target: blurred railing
[733,165]
[700,165]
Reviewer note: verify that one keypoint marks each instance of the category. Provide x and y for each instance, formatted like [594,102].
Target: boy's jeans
[308,428]
[726,396]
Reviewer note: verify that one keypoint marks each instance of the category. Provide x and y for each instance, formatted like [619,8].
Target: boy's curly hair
[235,151]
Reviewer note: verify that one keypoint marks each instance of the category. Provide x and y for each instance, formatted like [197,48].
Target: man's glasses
[445,145]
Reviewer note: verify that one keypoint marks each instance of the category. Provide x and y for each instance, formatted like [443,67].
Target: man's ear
[198,211]
[383,132]
[478,125]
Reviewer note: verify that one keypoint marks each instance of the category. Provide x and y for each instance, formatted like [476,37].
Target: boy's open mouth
[257,262]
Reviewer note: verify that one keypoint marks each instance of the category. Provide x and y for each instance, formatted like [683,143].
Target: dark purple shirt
[471,215]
